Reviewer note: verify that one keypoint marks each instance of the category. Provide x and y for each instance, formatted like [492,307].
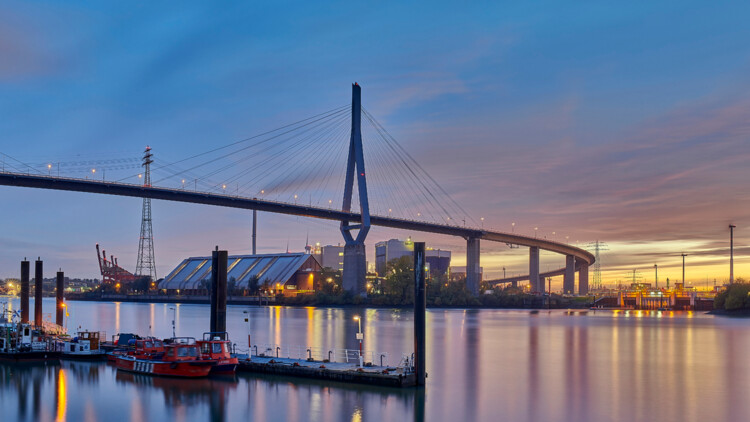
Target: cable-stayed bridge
[303,169]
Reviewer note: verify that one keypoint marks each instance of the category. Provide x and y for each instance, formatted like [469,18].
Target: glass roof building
[287,271]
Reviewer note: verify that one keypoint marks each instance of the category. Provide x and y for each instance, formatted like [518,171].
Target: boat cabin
[180,352]
[92,337]
[148,348]
[215,346]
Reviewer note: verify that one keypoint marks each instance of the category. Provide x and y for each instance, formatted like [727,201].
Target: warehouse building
[286,273]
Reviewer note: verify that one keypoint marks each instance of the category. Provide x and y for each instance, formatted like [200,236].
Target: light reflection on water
[482,365]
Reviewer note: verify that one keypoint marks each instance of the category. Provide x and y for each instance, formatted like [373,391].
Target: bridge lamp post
[512,227]
[482,220]
[389,212]
[183,184]
[535,229]
[295,198]
[49,169]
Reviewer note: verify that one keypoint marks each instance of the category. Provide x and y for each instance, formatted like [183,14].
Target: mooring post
[420,308]
[218,291]
[60,295]
[38,292]
[24,291]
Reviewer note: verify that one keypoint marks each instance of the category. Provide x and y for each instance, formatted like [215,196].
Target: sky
[627,123]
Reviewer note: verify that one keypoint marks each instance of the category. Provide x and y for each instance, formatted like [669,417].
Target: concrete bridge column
[472,265]
[569,279]
[534,270]
[583,278]
[355,268]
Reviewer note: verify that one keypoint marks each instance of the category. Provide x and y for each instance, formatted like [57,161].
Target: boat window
[187,351]
[219,348]
[149,344]
[158,344]
[170,352]
[205,348]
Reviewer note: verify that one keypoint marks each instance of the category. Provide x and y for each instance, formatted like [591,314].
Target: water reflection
[482,365]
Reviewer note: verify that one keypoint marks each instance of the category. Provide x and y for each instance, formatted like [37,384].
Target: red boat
[153,357]
[216,347]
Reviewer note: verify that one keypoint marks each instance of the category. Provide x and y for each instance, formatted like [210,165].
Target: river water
[483,365]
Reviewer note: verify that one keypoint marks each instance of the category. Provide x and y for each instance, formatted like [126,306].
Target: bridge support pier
[534,281]
[569,279]
[472,265]
[583,278]
[355,268]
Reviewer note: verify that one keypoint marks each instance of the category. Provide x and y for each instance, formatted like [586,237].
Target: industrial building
[328,256]
[438,261]
[286,273]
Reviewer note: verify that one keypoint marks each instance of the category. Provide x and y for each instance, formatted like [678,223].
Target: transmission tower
[597,246]
[146,265]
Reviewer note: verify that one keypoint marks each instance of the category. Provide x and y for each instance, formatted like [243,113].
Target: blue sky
[596,120]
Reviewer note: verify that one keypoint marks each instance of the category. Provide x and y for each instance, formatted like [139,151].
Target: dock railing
[320,354]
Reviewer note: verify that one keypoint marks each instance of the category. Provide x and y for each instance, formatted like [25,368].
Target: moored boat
[85,346]
[153,357]
[20,342]
[216,347]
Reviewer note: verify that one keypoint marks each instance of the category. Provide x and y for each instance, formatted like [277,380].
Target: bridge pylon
[355,262]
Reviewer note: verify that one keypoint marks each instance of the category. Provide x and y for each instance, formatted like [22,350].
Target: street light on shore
[683,269]
[360,336]
[731,253]
[174,317]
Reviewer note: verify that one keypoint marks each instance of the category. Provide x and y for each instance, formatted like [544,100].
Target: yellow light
[117,285]
[356,317]
[223,186]
[10,285]
[93,170]
[140,175]
[49,166]
[62,396]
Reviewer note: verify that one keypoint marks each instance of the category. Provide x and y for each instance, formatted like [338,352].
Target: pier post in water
[218,291]
[24,291]
[420,308]
[60,294]
[38,271]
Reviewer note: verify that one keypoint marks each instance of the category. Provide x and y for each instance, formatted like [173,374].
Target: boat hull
[83,356]
[182,369]
[225,367]
[30,357]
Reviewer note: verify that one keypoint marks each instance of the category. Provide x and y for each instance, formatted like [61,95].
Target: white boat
[85,346]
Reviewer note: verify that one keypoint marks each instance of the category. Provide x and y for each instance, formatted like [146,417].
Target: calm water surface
[482,364]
